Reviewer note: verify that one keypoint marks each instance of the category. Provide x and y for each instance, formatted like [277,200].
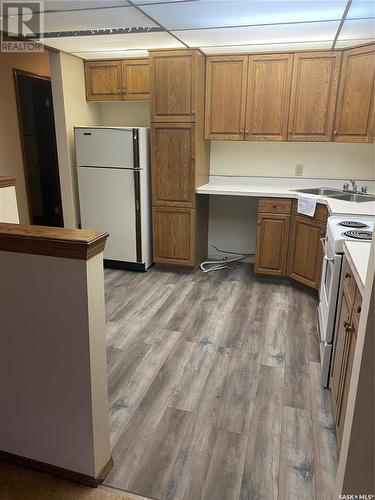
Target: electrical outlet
[299,169]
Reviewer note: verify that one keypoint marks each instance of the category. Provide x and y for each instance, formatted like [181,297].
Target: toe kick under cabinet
[288,243]
[180,157]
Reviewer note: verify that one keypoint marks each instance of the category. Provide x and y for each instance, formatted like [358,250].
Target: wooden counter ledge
[7,181]
[79,244]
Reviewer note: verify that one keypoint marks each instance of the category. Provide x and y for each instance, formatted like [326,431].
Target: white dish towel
[306,204]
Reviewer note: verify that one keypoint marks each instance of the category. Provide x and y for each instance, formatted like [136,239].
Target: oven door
[329,292]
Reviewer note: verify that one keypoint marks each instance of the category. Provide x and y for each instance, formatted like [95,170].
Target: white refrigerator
[113,168]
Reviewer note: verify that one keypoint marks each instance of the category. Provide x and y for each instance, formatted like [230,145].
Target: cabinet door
[305,251]
[173,231]
[356,92]
[173,164]
[313,98]
[103,80]
[340,351]
[272,244]
[226,79]
[135,79]
[268,96]
[173,86]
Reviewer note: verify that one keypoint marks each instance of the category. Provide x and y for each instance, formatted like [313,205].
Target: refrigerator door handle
[137,195]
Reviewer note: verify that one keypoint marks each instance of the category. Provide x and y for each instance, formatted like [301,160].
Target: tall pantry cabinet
[179,155]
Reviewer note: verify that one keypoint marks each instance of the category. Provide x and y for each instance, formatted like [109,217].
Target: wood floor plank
[241,386]
[261,471]
[157,463]
[189,473]
[324,434]
[192,382]
[224,475]
[275,334]
[214,329]
[297,479]
[137,434]
[125,401]
[122,366]
[297,391]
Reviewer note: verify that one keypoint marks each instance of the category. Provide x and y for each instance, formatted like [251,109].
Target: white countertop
[284,188]
[358,254]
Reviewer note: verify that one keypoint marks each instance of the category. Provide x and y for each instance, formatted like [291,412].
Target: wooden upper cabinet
[313,97]
[135,79]
[103,80]
[226,79]
[355,103]
[173,164]
[174,85]
[268,96]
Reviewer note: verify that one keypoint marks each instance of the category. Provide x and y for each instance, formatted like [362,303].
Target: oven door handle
[322,241]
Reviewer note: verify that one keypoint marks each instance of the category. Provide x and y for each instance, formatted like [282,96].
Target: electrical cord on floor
[216,265]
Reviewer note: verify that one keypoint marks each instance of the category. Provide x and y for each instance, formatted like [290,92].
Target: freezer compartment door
[104,147]
[107,202]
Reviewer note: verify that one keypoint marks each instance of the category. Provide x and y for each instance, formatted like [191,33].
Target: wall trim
[54,470]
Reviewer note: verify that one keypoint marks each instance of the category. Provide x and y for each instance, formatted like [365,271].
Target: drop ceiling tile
[75,4]
[142,2]
[112,54]
[357,29]
[260,34]
[116,17]
[113,42]
[361,8]
[341,44]
[277,47]
[217,13]
[81,4]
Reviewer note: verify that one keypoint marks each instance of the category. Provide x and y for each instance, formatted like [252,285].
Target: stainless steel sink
[322,191]
[358,198]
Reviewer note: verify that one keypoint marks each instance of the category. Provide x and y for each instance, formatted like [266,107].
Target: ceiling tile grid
[214,26]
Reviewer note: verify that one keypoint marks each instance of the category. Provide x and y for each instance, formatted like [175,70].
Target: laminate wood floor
[214,388]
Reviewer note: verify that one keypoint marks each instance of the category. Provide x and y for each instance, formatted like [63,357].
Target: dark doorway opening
[38,138]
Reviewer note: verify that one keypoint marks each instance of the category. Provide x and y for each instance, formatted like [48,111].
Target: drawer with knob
[275,205]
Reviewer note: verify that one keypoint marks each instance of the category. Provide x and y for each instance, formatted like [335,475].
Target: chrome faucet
[354,186]
[345,186]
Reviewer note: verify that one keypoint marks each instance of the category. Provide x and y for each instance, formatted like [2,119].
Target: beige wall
[71,108]
[273,159]
[123,114]
[11,162]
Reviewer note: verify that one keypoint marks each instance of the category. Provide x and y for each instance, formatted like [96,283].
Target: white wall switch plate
[299,169]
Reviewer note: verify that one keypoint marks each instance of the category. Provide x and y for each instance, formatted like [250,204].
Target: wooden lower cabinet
[288,244]
[272,243]
[174,240]
[305,250]
[344,349]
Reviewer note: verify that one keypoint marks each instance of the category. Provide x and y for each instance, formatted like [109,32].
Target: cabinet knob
[348,327]
[335,132]
[347,276]
[274,206]
[359,309]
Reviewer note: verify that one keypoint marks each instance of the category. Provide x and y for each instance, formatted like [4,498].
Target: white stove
[340,228]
